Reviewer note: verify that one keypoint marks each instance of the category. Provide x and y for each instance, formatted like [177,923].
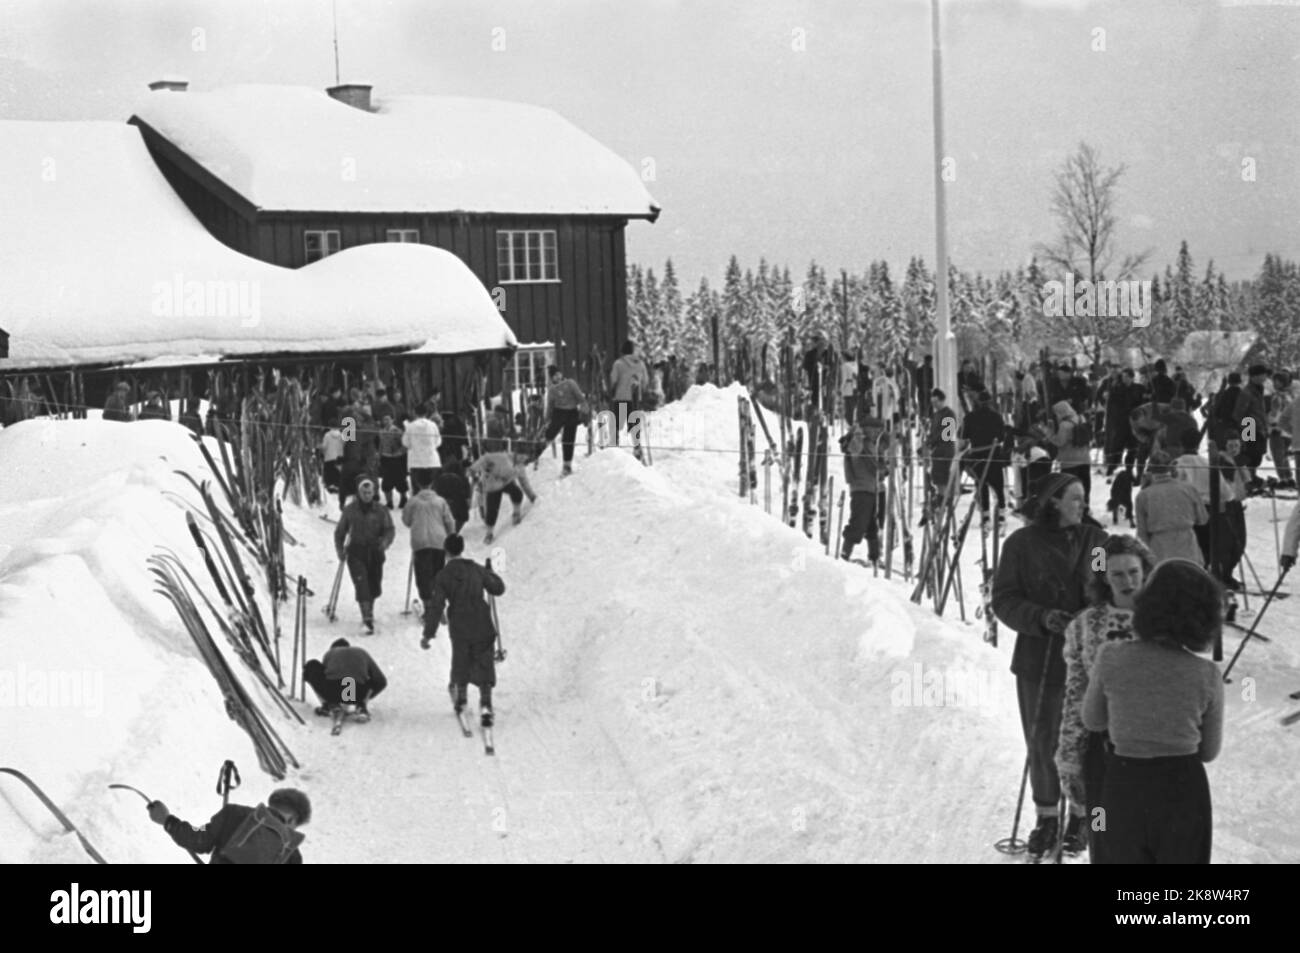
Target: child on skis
[500,473]
[430,521]
[460,589]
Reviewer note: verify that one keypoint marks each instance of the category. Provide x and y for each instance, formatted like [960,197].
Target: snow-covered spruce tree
[670,327]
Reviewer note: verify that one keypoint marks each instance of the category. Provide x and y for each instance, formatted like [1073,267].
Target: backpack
[261,838]
[1082,435]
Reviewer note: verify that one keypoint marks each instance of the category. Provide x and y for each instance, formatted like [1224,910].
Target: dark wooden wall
[588,306]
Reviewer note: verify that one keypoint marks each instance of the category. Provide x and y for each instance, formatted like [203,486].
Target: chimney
[175,84]
[356,95]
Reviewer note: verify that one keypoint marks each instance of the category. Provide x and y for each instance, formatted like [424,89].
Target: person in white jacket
[421,441]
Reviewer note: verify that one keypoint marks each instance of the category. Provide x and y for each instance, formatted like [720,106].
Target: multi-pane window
[530,366]
[526,256]
[320,244]
[407,235]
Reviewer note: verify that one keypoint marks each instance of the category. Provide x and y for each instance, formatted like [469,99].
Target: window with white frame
[527,255]
[407,235]
[530,363]
[320,244]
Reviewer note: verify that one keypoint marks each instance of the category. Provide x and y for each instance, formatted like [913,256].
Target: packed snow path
[687,680]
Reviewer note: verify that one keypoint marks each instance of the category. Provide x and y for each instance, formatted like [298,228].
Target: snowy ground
[688,680]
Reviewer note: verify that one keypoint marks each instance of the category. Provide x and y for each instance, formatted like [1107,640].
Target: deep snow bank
[99,681]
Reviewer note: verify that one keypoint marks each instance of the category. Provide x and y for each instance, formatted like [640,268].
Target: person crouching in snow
[500,473]
[364,533]
[344,675]
[430,520]
[238,834]
[460,589]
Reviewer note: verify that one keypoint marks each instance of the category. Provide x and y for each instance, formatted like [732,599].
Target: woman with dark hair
[1041,582]
[1163,709]
[1080,754]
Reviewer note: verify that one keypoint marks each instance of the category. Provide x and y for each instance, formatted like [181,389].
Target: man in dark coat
[1120,395]
[1222,407]
[291,808]
[1250,418]
[1162,385]
[452,485]
[984,430]
[345,675]
[1041,583]
[455,438]
[364,533]
[461,588]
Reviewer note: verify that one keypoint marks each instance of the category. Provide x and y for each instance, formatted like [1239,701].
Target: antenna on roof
[334,7]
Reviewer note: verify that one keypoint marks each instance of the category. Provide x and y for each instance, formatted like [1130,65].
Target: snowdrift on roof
[102,262]
[282,148]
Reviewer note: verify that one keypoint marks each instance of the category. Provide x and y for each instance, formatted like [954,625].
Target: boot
[485,719]
[489,536]
[517,515]
[1043,837]
[1076,835]
[368,617]
[567,471]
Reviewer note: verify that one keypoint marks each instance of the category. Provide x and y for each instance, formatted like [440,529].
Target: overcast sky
[781,129]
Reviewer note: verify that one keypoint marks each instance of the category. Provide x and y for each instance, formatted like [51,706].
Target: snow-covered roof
[101,262]
[293,148]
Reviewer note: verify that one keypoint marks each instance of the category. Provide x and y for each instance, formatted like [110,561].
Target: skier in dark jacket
[345,675]
[453,486]
[460,589]
[984,429]
[290,806]
[1122,395]
[1250,418]
[364,533]
[1162,385]
[1041,583]
[866,469]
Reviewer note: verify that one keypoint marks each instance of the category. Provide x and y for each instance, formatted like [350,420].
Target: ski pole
[149,800]
[227,780]
[410,575]
[1253,625]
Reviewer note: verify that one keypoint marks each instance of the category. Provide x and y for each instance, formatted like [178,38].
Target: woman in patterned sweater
[1080,755]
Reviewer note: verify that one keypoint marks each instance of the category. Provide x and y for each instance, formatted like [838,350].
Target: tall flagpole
[945,350]
[334,10]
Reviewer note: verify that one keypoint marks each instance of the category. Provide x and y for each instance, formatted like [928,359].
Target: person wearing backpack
[1073,442]
[238,834]
[462,588]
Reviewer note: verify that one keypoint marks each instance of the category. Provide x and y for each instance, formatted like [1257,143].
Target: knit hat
[1062,408]
[1258,369]
[1234,378]
[362,481]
